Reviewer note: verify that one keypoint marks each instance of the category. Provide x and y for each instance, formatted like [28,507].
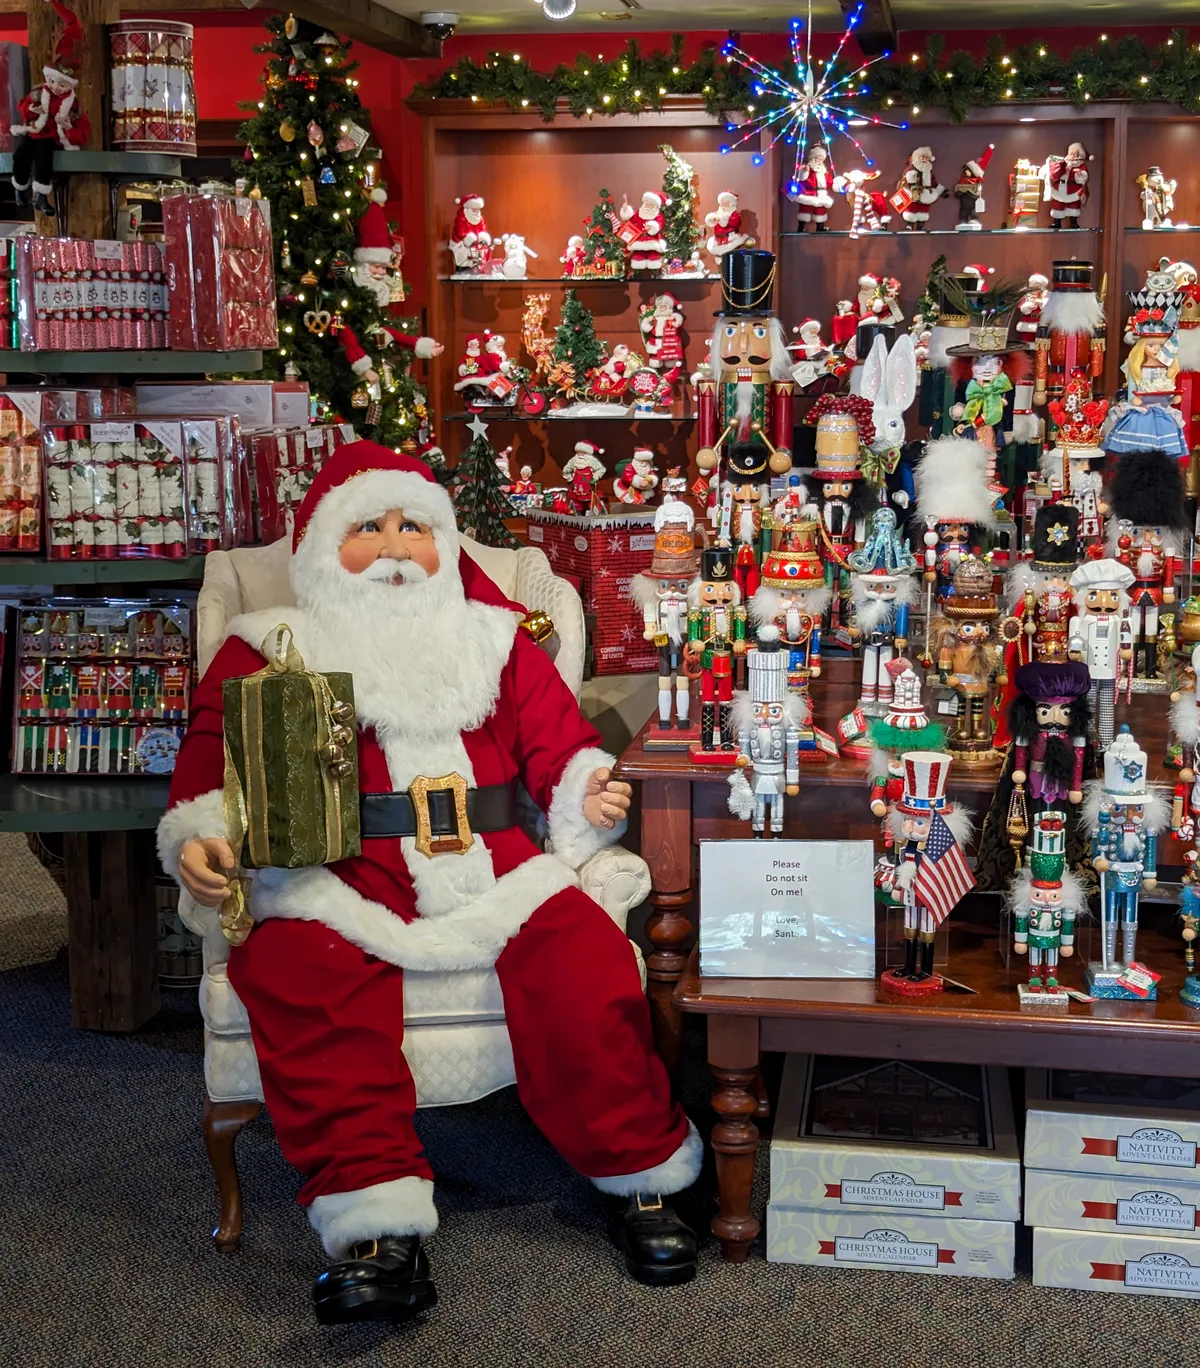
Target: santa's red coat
[41,112]
[361,361]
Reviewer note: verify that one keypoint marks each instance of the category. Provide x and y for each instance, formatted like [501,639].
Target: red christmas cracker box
[20,470]
[603,554]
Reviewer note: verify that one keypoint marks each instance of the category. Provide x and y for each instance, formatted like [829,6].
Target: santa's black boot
[659,1248]
[20,194]
[379,1280]
[42,203]
[708,717]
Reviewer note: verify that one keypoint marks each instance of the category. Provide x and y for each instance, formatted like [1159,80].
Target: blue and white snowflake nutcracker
[768,719]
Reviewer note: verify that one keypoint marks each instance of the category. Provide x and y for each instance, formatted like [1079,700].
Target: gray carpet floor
[107,1200]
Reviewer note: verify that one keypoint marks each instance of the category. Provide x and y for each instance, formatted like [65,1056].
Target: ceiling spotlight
[558,9]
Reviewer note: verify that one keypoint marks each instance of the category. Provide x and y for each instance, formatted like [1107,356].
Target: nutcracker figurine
[745,512]
[768,720]
[1045,900]
[904,727]
[970,660]
[968,191]
[1050,724]
[1189,915]
[1070,333]
[1099,634]
[843,498]
[1075,462]
[1148,525]
[661,595]
[918,189]
[716,634]
[884,592]
[1149,418]
[585,470]
[792,598]
[1125,815]
[954,508]
[812,190]
[1158,198]
[1185,728]
[1038,591]
[957,296]
[932,876]
[1067,190]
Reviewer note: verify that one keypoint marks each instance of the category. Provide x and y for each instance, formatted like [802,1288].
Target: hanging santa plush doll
[470,241]
[362,363]
[376,251]
[53,121]
[447,686]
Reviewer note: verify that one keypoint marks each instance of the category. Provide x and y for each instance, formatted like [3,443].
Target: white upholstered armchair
[455,1039]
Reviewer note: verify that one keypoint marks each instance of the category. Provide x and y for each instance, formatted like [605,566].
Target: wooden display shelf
[41,802]
[628,418]
[127,570]
[581,282]
[1164,232]
[904,232]
[129,362]
[108,163]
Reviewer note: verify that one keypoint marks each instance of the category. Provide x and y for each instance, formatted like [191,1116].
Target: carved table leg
[733,1059]
[763,1110]
[223,1122]
[667,849]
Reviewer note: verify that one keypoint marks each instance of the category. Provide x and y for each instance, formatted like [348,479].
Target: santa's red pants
[328,1022]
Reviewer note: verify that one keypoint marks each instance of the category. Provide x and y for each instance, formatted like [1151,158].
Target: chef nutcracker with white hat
[716,635]
[661,596]
[1045,900]
[470,241]
[884,592]
[1125,815]
[642,231]
[932,876]
[792,597]
[968,190]
[1100,635]
[812,189]
[51,118]
[768,718]
[1067,190]
[585,470]
[918,188]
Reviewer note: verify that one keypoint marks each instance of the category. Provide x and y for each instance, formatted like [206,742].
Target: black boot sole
[396,1304]
[650,1275]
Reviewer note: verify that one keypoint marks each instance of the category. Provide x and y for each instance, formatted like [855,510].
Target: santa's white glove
[19,130]
[741,799]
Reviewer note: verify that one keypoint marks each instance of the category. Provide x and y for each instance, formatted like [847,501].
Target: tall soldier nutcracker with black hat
[1039,590]
[716,634]
[1070,334]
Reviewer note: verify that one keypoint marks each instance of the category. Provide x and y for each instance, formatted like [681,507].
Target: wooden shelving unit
[129,362]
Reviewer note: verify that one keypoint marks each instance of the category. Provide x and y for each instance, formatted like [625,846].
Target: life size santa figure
[376,566]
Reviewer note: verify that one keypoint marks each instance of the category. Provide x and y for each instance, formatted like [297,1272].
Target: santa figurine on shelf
[724,226]
[52,119]
[843,326]
[574,257]
[812,189]
[1158,198]
[485,368]
[659,323]
[375,252]
[585,470]
[918,188]
[636,478]
[470,241]
[968,191]
[869,209]
[1030,306]
[319,963]
[1067,190]
[642,231]
[611,380]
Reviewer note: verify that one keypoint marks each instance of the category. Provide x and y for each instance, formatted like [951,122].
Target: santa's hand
[19,130]
[607,800]
[200,869]
[437,349]
[371,376]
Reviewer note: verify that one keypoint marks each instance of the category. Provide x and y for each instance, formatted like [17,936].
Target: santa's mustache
[385,570]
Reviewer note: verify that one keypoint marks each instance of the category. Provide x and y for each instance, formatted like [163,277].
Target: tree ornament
[360,398]
[351,139]
[387,376]
[248,154]
[326,41]
[316,136]
[287,131]
[339,266]
[291,27]
[318,321]
[309,277]
[291,371]
[337,323]
[285,255]
[327,177]
[309,192]
[256,191]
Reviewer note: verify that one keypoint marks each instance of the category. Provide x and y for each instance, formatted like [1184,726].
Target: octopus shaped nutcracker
[661,595]
[768,719]
[884,592]
[1099,634]
[1045,901]
[932,876]
[716,634]
[1070,335]
[1125,814]
[970,660]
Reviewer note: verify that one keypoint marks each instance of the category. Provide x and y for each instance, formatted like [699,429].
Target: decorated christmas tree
[309,152]
[681,232]
[575,345]
[479,497]
[605,251]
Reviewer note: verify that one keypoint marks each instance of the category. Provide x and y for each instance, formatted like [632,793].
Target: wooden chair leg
[223,1122]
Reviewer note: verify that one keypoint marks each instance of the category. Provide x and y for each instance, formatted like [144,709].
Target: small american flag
[943,875]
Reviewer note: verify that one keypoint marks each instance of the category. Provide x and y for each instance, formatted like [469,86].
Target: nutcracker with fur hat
[1076,461]
[811,190]
[768,718]
[745,395]
[968,191]
[1038,591]
[970,660]
[376,566]
[1100,635]
[641,231]
[716,634]
[470,241]
[917,189]
[724,224]
[931,876]
[905,726]
[1070,335]
[1066,179]
[51,118]
[1147,531]
[954,509]
[1125,814]
[882,575]
[661,597]
[1045,900]
[585,470]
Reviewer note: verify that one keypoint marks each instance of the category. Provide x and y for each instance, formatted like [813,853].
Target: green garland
[1126,69]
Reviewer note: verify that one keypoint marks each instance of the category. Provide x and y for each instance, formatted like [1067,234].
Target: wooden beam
[876,30]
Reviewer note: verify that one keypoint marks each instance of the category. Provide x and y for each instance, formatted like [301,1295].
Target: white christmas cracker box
[1112,1206]
[603,554]
[1144,1265]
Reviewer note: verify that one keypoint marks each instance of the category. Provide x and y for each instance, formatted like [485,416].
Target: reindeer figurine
[867,206]
[537,342]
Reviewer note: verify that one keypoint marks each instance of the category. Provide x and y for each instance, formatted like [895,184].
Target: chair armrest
[617,879]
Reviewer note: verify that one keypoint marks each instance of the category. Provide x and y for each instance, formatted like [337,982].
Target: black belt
[493,808]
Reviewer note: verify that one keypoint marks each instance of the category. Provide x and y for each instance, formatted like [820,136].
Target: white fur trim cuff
[361,366]
[195,820]
[572,837]
[424,348]
[673,1175]
[403,1206]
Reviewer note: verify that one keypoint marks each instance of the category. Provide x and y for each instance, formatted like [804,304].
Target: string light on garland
[808,97]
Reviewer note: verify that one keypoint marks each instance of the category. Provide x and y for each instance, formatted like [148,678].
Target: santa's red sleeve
[422,346]
[358,360]
[194,808]
[557,752]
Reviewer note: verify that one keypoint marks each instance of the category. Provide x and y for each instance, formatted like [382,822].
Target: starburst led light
[817,95]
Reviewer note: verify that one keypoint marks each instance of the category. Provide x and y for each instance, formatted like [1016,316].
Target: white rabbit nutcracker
[768,719]
[642,230]
[661,595]
[724,226]
[889,381]
[660,322]
[1067,190]
[1045,900]
[470,241]
[917,189]
[812,189]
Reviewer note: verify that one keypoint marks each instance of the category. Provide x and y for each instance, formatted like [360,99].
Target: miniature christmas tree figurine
[1045,899]
[604,253]
[575,346]
[480,500]
[681,232]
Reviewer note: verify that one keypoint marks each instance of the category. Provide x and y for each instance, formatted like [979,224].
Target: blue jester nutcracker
[716,634]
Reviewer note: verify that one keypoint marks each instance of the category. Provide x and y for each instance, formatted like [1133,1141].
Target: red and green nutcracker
[716,634]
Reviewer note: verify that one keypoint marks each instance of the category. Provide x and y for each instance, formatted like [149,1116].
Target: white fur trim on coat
[469,937]
[362,365]
[673,1175]
[373,256]
[197,819]
[424,348]
[572,837]
[403,1206]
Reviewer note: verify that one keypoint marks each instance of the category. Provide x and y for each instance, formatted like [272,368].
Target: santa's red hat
[980,272]
[979,165]
[64,65]
[374,236]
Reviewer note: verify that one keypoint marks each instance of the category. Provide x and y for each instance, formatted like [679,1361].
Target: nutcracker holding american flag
[932,875]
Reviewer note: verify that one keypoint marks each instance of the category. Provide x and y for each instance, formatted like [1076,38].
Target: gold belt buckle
[419,791]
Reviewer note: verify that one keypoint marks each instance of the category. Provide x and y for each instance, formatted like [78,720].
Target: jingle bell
[342,712]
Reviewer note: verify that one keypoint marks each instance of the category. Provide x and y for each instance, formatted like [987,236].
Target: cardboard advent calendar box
[603,554]
[1143,1265]
[1112,1206]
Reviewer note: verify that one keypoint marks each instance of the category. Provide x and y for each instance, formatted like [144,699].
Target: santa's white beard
[1146,565]
[872,612]
[746,524]
[378,286]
